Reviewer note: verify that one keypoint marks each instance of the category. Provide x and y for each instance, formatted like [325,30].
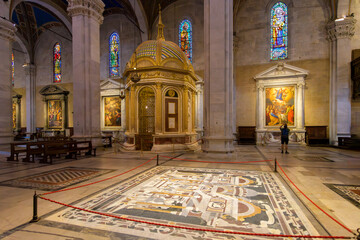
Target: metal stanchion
[157,160]
[275,168]
[35,216]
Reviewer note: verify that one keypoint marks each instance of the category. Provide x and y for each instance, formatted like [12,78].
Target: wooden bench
[316,135]
[246,135]
[16,149]
[347,142]
[52,149]
[32,149]
[84,146]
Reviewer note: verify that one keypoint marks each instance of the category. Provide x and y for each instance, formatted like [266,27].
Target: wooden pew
[84,146]
[16,149]
[32,149]
[52,149]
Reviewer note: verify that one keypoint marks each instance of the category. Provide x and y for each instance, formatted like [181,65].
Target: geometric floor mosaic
[248,201]
[56,179]
[349,192]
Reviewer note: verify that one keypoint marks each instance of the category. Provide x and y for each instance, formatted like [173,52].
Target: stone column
[199,109]
[132,111]
[218,52]
[193,112]
[339,33]
[158,109]
[127,113]
[30,84]
[300,112]
[86,19]
[7,31]
[185,109]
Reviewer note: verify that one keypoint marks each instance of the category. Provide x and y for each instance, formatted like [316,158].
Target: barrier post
[275,168]
[35,216]
[157,160]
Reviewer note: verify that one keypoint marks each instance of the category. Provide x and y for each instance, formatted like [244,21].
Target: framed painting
[14,115]
[280,106]
[54,114]
[112,111]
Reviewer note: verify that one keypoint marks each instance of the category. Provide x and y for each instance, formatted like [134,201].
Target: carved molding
[7,30]
[341,29]
[91,8]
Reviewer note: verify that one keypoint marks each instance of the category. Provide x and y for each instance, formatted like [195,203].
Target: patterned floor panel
[349,192]
[249,201]
[56,179]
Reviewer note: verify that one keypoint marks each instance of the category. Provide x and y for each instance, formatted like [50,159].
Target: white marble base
[265,136]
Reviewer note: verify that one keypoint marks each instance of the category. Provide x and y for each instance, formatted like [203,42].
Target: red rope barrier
[190,228]
[189,160]
[88,184]
[313,202]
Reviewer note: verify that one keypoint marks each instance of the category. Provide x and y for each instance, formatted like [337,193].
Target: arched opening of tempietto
[146,111]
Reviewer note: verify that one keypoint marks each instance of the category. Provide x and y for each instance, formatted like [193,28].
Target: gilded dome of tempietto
[158,54]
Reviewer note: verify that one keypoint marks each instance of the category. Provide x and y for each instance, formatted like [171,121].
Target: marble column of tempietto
[218,92]
[86,19]
[7,32]
[339,34]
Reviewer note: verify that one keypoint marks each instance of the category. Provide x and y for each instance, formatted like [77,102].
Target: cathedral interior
[145,119]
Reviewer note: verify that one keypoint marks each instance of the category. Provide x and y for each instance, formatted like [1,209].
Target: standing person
[284,138]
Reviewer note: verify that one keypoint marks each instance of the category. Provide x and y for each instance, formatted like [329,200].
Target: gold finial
[160,27]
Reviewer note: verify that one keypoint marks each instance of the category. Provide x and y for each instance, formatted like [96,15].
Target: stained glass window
[12,69]
[114,55]
[57,63]
[279,31]
[185,38]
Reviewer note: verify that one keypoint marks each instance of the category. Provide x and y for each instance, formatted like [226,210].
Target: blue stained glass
[12,69]
[185,38]
[114,55]
[57,63]
[279,31]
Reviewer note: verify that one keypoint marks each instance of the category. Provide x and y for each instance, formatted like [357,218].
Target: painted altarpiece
[112,106]
[16,112]
[55,100]
[280,100]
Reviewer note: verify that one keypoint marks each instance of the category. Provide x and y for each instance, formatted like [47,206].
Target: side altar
[280,100]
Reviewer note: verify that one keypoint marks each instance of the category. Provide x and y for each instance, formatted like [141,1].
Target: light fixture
[122,94]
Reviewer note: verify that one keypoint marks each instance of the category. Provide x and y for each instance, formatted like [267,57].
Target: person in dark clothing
[284,138]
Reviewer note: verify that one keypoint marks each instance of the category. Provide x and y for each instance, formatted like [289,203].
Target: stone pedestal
[218,93]
[7,30]
[30,83]
[86,19]
[339,33]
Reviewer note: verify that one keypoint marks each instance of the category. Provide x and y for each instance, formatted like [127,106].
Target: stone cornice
[91,8]
[339,29]
[7,29]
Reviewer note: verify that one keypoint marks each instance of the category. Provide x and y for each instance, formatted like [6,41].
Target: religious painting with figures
[280,106]
[14,115]
[55,118]
[112,111]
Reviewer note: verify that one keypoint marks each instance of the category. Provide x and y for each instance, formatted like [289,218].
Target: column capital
[7,29]
[341,28]
[29,69]
[260,86]
[91,8]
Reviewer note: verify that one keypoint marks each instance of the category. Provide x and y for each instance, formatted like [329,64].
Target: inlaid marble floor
[243,197]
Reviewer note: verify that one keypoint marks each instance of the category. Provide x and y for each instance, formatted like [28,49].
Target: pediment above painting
[282,70]
[109,84]
[53,90]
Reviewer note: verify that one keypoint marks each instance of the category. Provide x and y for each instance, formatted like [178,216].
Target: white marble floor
[310,168]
